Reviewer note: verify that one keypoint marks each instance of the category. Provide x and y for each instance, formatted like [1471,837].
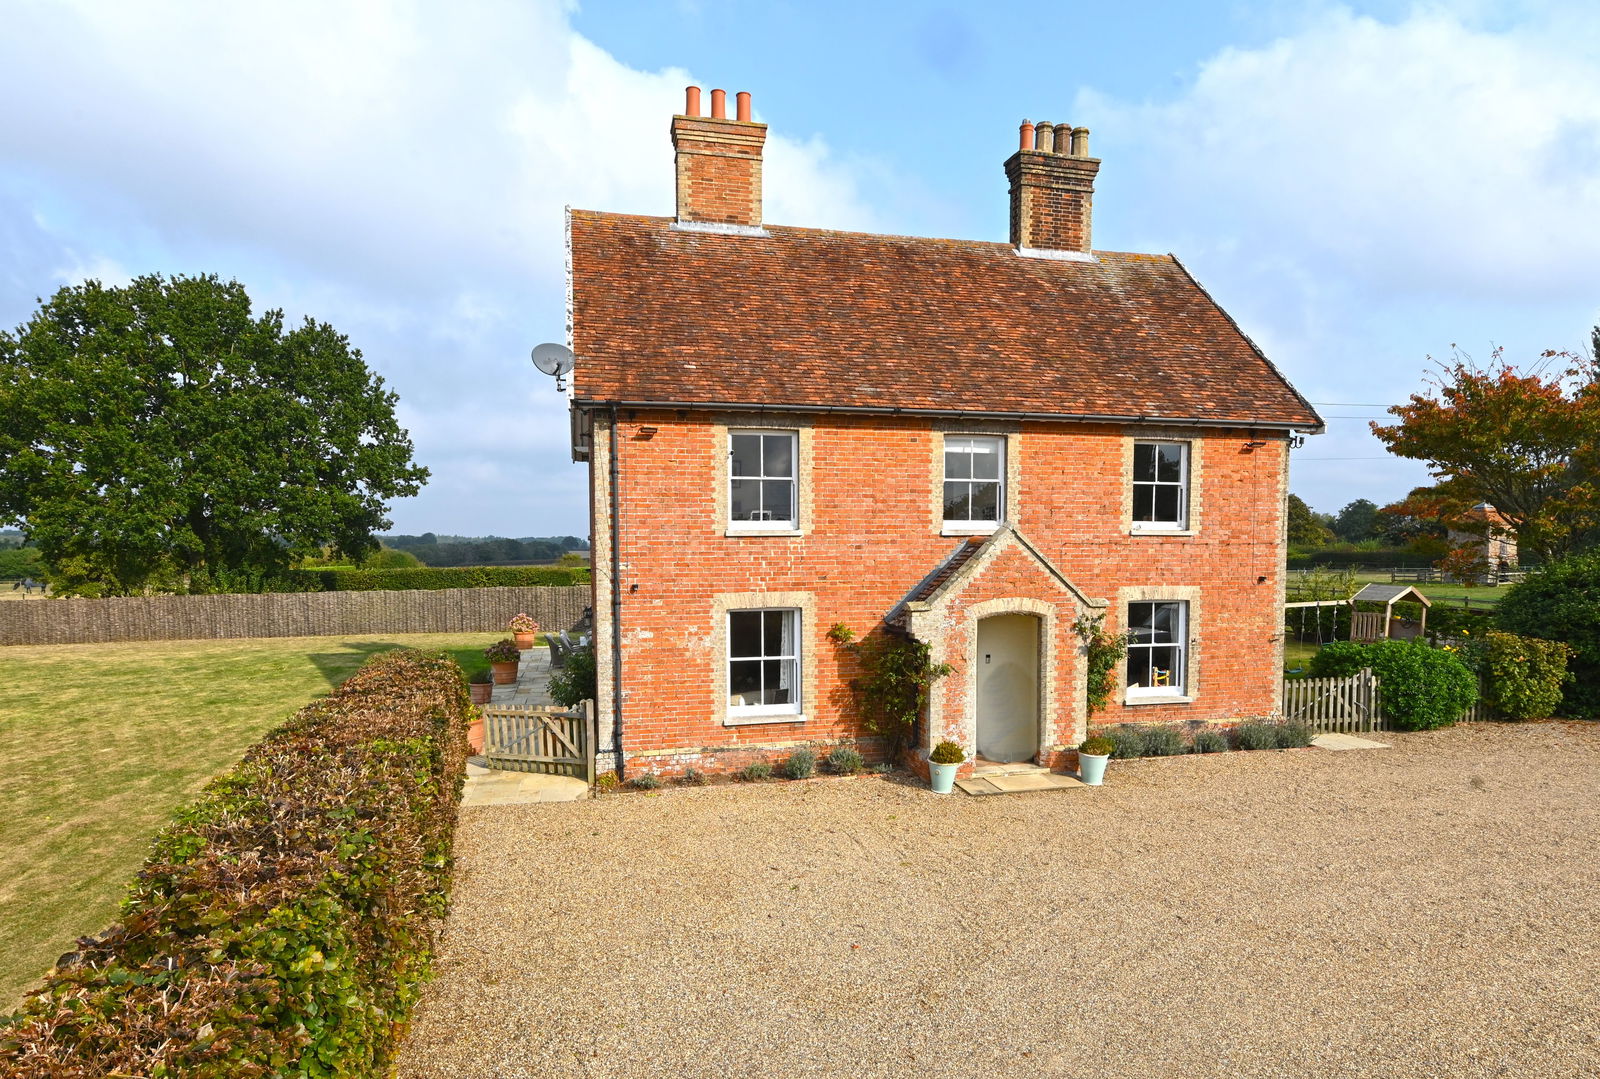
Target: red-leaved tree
[1526,444]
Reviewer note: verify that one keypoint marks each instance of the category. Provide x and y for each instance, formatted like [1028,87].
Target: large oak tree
[1526,444]
[162,436]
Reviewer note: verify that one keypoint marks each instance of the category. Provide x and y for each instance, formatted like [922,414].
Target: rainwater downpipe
[616,594]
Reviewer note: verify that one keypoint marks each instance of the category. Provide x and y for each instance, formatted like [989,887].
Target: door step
[1040,779]
[990,769]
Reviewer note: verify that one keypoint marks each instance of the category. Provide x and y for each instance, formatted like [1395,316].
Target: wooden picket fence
[1350,705]
[540,738]
[1334,705]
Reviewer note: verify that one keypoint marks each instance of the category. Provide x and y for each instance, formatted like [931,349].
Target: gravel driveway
[1427,910]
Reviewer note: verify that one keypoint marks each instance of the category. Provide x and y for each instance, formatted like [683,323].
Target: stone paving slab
[1343,742]
[517,788]
[532,686]
[1018,784]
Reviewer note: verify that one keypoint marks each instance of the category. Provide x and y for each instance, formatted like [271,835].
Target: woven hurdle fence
[286,614]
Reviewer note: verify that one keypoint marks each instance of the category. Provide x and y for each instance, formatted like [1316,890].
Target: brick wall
[875,533]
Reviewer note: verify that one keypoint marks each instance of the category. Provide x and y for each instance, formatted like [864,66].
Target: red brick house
[971,442]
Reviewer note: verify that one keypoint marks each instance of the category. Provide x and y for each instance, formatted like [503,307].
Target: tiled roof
[816,318]
[930,584]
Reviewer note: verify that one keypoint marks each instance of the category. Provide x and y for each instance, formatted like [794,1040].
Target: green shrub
[756,770]
[284,921]
[693,777]
[1447,620]
[1103,650]
[947,753]
[646,781]
[435,577]
[845,760]
[575,682]
[1162,741]
[1422,687]
[1127,741]
[1561,602]
[802,764]
[1522,676]
[1097,746]
[1255,736]
[1208,740]
[1293,735]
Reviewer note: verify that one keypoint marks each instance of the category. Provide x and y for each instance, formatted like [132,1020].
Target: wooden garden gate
[540,738]
[1334,705]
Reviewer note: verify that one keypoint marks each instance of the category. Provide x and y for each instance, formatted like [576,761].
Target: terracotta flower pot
[504,673]
[524,640]
[481,691]
[475,736]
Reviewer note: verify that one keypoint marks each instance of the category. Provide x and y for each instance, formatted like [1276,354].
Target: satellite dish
[552,359]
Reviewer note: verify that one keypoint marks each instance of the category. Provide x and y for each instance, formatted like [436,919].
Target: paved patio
[491,787]
[1426,910]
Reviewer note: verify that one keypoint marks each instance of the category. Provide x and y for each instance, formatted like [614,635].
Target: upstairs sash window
[761,475]
[1160,485]
[974,481]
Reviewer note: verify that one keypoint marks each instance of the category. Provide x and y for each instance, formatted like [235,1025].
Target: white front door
[1008,687]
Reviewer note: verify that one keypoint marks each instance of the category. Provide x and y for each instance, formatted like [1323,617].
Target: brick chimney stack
[719,164]
[1052,190]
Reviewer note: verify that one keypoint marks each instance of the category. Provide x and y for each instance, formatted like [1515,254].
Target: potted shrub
[943,762]
[524,630]
[1093,754]
[503,657]
[475,731]
[480,686]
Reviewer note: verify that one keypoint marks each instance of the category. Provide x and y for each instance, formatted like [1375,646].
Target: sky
[1364,186]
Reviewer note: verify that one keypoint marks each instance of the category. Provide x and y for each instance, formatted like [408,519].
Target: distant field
[1450,593]
[99,743]
[6,592]
[1456,594]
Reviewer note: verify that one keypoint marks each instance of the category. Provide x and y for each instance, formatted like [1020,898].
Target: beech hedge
[430,577]
[284,921]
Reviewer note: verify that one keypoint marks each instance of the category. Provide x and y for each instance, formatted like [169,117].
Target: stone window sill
[1131,701]
[747,721]
[763,532]
[1163,531]
[969,530]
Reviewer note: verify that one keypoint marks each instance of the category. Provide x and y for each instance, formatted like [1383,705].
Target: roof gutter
[886,410]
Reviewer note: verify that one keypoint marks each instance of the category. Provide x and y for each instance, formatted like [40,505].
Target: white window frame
[792,522]
[999,449]
[1182,484]
[1181,668]
[796,666]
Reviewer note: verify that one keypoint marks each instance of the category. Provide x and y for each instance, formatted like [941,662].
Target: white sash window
[764,662]
[761,476]
[1161,485]
[974,481]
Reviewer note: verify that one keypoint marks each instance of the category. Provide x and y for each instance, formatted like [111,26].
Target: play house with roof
[973,443]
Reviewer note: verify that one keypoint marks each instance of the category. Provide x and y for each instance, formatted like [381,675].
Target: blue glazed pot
[943,776]
[1092,769]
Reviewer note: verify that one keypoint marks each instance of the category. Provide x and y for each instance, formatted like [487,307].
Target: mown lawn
[1445,593]
[100,743]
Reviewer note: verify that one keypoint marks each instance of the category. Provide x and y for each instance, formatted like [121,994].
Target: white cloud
[1362,193]
[398,169]
[1425,156]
